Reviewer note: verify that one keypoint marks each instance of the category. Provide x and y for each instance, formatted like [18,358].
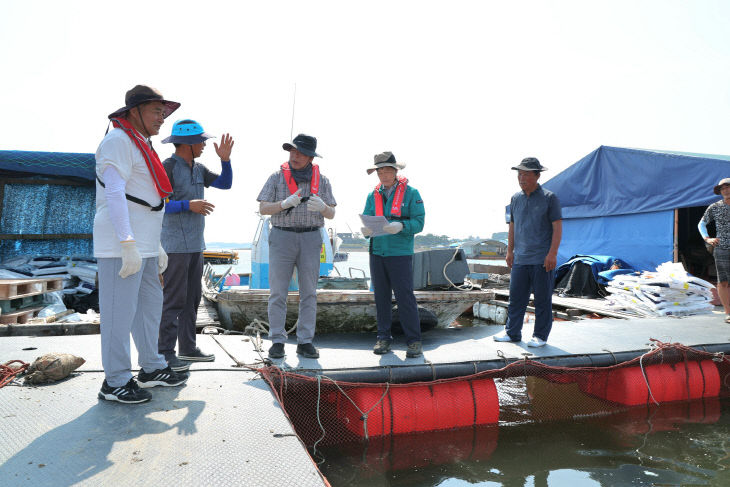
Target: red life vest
[313,184]
[157,171]
[400,191]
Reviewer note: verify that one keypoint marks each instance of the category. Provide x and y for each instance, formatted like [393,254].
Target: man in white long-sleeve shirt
[130,192]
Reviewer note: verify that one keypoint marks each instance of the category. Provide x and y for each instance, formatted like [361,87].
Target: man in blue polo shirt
[535,229]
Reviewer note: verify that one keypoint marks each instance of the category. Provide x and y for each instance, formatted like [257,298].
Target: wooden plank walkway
[598,306]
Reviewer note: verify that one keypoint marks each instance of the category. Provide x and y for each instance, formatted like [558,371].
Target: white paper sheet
[375,223]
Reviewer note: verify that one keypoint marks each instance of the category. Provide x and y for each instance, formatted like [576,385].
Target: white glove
[131,260]
[315,203]
[292,201]
[393,227]
[366,232]
[162,260]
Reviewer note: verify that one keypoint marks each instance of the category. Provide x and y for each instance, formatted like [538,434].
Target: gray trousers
[287,250]
[183,288]
[132,304]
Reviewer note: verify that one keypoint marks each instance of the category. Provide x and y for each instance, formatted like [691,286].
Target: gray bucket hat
[385,159]
[142,94]
[530,164]
[719,185]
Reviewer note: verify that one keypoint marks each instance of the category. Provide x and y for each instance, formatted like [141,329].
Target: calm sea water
[625,449]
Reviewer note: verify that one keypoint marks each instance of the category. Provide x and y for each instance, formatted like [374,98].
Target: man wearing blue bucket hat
[182,238]
[295,240]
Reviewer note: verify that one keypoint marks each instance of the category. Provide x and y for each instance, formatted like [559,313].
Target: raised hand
[224,150]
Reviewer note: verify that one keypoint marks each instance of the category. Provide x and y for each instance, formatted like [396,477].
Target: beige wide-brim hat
[142,94]
[385,159]
[722,183]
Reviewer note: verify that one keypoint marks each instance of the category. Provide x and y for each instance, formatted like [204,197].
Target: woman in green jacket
[391,253]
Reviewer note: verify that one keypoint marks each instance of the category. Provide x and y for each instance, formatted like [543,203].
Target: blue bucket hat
[187,132]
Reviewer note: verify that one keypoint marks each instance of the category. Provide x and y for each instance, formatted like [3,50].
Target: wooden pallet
[17,304]
[20,288]
[22,316]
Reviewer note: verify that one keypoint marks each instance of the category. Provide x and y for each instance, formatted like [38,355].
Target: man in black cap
[295,240]
[130,193]
[183,238]
[535,229]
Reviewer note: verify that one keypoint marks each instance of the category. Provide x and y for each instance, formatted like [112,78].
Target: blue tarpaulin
[49,163]
[35,206]
[621,202]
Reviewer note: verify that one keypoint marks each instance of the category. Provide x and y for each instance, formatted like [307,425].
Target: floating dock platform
[224,427]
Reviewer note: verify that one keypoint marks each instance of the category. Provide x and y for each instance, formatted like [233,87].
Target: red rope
[7,373]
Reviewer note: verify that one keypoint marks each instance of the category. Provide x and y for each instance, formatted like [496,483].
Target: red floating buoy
[418,408]
[681,381]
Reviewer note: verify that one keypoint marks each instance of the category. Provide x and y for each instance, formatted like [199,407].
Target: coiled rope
[7,373]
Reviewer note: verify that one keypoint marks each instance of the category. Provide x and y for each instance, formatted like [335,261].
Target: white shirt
[118,151]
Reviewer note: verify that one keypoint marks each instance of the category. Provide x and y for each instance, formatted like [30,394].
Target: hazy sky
[459,90]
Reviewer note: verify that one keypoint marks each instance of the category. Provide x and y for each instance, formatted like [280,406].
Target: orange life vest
[313,185]
[400,191]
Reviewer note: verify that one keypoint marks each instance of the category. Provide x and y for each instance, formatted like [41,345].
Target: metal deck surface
[587,336]
[225,427]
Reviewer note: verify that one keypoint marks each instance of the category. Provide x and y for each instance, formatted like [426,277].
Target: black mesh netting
[672,383]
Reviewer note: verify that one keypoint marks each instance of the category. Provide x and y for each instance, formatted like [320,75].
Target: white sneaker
[536,342]
[503,337]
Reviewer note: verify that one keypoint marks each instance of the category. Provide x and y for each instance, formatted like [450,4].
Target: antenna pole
[293,105]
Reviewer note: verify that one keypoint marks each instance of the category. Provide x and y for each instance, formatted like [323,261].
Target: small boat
[486,249]
[220,256]
[338,310]
[344,304]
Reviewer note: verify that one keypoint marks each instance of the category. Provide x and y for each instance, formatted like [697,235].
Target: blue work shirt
[533,218]
[183,232]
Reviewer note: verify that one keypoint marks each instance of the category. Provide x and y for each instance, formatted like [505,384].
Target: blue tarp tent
[621,202]
[48,203]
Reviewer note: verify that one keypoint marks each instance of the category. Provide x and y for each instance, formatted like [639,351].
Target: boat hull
[338,310]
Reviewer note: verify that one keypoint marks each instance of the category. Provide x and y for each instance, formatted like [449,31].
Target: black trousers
[181,297]
[394,275]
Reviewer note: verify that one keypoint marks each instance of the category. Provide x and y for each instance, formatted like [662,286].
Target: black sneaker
[161,377]
[414,350]
[308,350]
[178,365]
[197,356]
[381,347]
[129,393]
[276,350]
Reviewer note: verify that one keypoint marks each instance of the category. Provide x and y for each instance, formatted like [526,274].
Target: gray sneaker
[414,350]
[381,347]
[178,365]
